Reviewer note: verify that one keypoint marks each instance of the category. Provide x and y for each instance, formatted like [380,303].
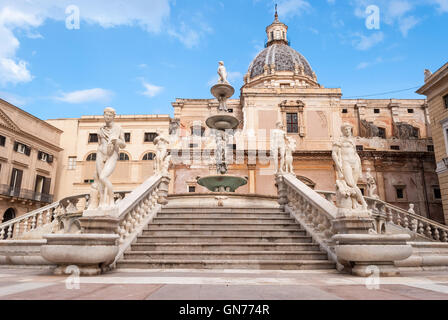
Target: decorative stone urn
[89,252]
[365,252]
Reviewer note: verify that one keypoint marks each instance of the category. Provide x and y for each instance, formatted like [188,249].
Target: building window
[150,136]
[410,110]
[445,100]
[430,148]
[93,138]
[230,110]
[16,182]
[2,141]
[362,191]
[382,133]
[395,148]
[149,156]
[360,148]
[292,122]
[344,110]
[377,111]
[42,156]
[21,148]
[399,193]
[437,193]
[194,145]
[198,131]
[71,163]
[191,189]
[127,137]
[89,181]
[91,157]
[123,157]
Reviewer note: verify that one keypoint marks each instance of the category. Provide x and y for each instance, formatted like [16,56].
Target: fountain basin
[222,122]
[222,183]
[222,90]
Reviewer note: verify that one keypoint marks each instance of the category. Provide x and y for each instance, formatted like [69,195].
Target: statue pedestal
[111,212]
[353,225]
[373,254]
[99,225]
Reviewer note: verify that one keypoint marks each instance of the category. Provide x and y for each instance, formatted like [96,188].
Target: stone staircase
[224,238]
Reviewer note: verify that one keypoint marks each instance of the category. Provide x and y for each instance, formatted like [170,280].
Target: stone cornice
[434,80]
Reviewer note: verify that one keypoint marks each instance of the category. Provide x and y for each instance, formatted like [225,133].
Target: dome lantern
[277,32]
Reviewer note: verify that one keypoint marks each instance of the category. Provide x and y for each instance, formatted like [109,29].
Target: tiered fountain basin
[222,122]
[222,90]
[222,183]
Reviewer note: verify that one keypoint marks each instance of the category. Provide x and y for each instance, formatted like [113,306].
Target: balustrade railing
[313,212]
[427,228]
[15,228]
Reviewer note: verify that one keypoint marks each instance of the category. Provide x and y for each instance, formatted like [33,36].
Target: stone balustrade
[313,212]
[410,221]
[16,228]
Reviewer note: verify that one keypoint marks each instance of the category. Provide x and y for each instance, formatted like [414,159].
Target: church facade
[393,137]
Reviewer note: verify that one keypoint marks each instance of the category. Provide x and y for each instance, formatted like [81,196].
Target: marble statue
[289,158]
[350,200]
[278,147]
[222,72]
[411,208]
[371,185]
[110,141]
[428,74]
[162,159]
[221,144]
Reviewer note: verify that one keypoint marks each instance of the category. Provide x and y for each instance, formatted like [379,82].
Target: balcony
[6,190]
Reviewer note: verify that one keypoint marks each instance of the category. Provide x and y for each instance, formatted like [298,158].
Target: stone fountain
[220,123]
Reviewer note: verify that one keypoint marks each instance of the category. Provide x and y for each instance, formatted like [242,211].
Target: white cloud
[407,24]
[13,71]
[84,96]
[366,42]
[442,5]
[151,90]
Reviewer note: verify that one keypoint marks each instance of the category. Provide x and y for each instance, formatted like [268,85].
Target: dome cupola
[278,62]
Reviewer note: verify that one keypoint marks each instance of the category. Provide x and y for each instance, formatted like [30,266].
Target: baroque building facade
[29,156]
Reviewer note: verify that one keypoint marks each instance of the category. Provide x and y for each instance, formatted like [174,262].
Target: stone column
[252,182]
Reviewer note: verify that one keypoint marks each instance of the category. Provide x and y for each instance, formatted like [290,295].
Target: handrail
[413,222]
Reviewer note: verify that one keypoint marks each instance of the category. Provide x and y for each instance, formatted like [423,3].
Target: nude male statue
[289,158]
[110,141]
[222,72]
[349,168]
[278,147]
[371,184]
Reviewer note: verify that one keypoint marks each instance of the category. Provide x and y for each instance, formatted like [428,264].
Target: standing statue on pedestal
[110,140]
[162,160]
[222,72]
[220,153]
[350,200]
[371,185]
[278,147]
[289,158]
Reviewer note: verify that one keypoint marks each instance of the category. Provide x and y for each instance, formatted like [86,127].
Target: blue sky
[141,56]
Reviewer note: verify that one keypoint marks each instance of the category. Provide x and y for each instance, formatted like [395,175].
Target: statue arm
[337,157]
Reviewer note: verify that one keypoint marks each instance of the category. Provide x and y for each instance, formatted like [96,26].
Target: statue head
[279,125]
[368,170]
[347,129]
[109,114]
[221,63]
[411,206]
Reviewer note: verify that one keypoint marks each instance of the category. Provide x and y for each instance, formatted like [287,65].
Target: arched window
[123,157]
[91,157]
[7,216]
[149,156]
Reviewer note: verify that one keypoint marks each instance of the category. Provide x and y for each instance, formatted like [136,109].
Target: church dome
[283,57]
[278,57]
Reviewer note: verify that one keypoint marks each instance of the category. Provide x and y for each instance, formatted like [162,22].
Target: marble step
[233,226]
[158,220]
[225,239]
[228,264]
[186,215]
[219,246]
[225,255]
[223,210]
[224,232]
